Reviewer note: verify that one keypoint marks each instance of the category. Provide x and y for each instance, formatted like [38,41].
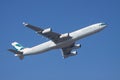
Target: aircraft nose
[103,25]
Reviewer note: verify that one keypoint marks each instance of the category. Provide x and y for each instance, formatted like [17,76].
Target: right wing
[55,37]
[67,51]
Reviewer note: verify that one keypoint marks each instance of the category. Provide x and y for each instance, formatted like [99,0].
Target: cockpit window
[102,24]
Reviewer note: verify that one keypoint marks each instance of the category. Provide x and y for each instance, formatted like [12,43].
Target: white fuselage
[76,35]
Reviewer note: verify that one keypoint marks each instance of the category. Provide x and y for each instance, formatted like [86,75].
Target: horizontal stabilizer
[17,53]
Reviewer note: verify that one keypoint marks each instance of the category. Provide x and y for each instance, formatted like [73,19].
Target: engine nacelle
[46,30]
[76,46]
[73,53]
[64,35]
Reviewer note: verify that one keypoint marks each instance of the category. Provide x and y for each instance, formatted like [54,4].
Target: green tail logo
[18,46]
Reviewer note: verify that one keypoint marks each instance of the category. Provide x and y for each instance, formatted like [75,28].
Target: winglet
[25,24]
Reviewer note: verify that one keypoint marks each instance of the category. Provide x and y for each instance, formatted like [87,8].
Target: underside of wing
[67,51]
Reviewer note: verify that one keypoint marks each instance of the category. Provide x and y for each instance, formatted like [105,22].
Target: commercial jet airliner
[65,42]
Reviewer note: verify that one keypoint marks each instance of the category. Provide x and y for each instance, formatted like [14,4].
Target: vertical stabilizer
[18,46]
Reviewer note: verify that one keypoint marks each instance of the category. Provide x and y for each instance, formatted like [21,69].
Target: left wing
[45,32]
[55,37]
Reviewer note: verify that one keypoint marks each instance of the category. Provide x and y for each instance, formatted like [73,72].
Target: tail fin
[18,46]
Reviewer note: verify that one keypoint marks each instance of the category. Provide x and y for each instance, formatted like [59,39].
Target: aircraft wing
[55,37]
[45,32]
[66,52]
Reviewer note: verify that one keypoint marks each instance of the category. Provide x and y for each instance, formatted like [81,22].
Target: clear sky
[98,58]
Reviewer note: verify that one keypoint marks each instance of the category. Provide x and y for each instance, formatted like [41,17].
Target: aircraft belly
[65,43]
[41,48]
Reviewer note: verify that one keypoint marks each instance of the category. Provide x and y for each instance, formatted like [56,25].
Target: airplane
[65,42]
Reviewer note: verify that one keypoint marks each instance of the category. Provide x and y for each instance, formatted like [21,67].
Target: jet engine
[76,46]
[64,35]
[46,30]
[72,53]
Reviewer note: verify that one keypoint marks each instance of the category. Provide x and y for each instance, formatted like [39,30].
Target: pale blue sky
[98,58]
